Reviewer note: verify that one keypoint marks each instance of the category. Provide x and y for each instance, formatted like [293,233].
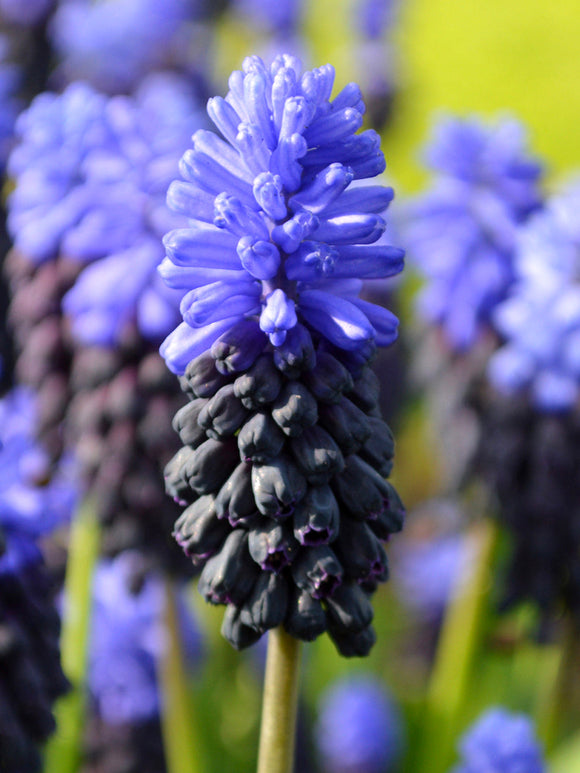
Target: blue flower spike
[274,352]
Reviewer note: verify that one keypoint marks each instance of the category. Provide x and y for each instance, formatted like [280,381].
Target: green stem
[63,750]
[559,708]
[278,727]
[453,668]
[179,725]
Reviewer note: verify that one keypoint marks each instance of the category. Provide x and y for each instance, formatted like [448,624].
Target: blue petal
[268,193]
[278,316]
[189,200]
[211,176]
[292,233]
[219,300]
[337,319]
[224,117]
[350,229]
[323,190]
[334,127]
[261,259]
[363,198]
[188,277]
[202,245]
[384,322]
[185,343]
[230,213]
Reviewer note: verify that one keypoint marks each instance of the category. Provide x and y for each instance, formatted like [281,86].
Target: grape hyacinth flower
[284,457]
[87,211]
[31,676]
[113,46]
[461,233]
[501,742]
[359,729]
[529,451]
[540,321]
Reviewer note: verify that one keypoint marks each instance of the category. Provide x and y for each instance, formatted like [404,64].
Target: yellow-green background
[487,56]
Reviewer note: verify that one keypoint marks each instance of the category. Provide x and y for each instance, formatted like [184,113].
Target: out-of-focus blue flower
[427,572]
[359,728]
[29,507]
[25,12]
[91,174]
[113,45]
[374,17]
[130,180]
[501,742]
[48,208]
[540,321]
[462,232]
[276,231]
[128,638]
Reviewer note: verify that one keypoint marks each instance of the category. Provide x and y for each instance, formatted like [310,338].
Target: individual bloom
[113,46]
[461,233]
[284,454]
[540,320]
[128,178]
[501,742]
[128,640]
[359,728]
[271,209]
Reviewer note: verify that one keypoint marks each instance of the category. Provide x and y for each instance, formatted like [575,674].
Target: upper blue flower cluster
[114,45]
[462,232]
[359,728]
[28,507]
[91,175]
[503,743]
[540,321]
[277,232]
[128,641]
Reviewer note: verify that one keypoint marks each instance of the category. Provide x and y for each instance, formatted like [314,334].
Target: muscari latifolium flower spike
[530,441]
[502,742]
[87,210]
[284,457]
[31,676]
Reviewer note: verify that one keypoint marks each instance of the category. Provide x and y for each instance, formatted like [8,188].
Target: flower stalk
[278,726]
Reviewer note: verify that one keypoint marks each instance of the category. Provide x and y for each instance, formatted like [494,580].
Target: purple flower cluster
[128,639]
[540,321]
[91,175]
[461,233]
[113,46]
[501,742]
[359,728]
[277,232]
[284,454]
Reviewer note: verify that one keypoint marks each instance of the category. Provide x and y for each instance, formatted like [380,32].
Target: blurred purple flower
[540,321]
[359,728]
[501,742]
[25,12]
[113,45]
[128,638]
[461,233]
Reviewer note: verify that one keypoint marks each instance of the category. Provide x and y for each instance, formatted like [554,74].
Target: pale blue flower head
[277,232]
[540,321]
[114,45]
[359,728]
[129,640]
[501,742]
[461,233]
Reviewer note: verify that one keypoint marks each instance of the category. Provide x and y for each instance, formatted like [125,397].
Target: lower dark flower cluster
[31,677]
[119,422]
[283,473]
[531,461]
